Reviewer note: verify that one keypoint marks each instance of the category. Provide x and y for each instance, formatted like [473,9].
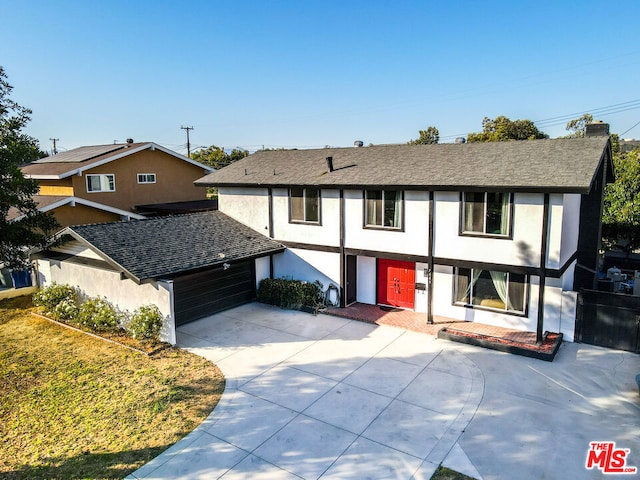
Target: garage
[212,291]
[189,266]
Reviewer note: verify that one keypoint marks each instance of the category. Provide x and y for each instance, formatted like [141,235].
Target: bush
[98,314]
[67,310]
[146,323]
[51,296]
[287,293]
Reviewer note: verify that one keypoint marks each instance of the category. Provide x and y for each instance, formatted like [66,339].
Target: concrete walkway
[324,397]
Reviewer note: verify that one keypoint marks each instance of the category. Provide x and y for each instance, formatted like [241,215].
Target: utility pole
[54,140]
[188,144]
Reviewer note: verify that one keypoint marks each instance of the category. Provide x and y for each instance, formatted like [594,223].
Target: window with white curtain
[505,291]
[101,183]
[383,208]
[486,213]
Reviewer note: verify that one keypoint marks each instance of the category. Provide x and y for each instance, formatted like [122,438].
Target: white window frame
[145,177]
[104,180]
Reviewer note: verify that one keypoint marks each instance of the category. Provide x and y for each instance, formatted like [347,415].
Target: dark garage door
[205,293]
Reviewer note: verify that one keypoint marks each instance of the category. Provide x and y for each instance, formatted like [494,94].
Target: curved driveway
[323,397]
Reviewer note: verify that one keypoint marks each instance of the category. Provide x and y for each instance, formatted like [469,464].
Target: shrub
[146,323]
[287,293]
[51,296]
[67,310]
[98,314]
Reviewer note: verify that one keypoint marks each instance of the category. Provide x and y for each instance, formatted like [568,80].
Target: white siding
[74,247]
[414,238]
[570,227]
[326,233]
[247,205]
[262,269]
[308,265]
[124,294]
[523,249]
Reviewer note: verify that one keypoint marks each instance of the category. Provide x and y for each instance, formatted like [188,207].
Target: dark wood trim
[310,246]
[430,242]
[498,267]
[559,272]
[543,269]
[388,255]
[343,273]
[270,194]
[271,266]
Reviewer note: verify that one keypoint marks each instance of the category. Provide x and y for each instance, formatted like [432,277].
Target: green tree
[502,129]
[621,213]
[30,226]
[216,157]
[427,137]
[577,127]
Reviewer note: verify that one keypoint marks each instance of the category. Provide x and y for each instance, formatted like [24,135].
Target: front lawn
[72,406]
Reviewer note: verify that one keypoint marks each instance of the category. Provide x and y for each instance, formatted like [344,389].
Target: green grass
[72,406]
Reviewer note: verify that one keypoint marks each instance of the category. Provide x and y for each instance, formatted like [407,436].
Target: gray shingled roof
[163,247]
[560,165]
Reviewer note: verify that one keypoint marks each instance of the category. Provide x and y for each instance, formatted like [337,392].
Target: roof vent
[461,140]
[358,143]
[597,129]
[129,140]
[330,164]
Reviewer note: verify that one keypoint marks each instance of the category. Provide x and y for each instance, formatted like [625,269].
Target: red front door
[396,283]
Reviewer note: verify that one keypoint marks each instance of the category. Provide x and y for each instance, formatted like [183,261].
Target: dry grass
[72,406]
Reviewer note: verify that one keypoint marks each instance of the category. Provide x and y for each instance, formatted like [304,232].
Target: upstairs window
[504,291]
[304,205]
[486,213]
[146,178]
[383,209]
[101,183]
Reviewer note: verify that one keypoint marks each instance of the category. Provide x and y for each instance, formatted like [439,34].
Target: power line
[630,129]
[188,144]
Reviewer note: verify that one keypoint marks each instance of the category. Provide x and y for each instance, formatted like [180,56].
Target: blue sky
[312,73]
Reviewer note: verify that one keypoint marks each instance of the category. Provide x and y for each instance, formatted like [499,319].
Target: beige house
[103,183]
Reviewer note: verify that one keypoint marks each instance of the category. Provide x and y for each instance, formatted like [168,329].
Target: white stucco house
[498,233]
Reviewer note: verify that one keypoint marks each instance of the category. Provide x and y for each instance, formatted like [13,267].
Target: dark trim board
[310,246]
[408,257]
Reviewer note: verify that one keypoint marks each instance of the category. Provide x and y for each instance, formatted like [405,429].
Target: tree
[30,227]
[427,137]
[621,212]
[217,158]
[577,127]
[503,130]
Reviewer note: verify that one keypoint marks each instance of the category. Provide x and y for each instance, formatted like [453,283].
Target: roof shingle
[562,165]
[167,246]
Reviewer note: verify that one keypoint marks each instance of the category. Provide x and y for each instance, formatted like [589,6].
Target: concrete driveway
[323,397]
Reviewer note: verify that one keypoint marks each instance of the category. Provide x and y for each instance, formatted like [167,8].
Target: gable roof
[47,203]
[77,160]
[557,165]
[163,247]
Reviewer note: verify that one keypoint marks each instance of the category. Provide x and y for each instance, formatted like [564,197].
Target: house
[498,233]
[104,183]
[190,265]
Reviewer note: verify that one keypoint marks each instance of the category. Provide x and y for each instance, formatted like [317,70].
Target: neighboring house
[498,233]
[190,266]
[105,183]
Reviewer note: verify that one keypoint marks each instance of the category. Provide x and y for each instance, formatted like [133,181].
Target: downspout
[430,242]
[543,269]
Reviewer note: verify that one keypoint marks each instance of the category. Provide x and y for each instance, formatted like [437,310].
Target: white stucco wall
[326,233]
[124,294]
[421,303]
[308,265]
[247,205]
[523,249]
[262,269]
[412,240]
[570,227]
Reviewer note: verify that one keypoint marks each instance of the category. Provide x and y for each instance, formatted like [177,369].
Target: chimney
[597,129]
[330,164]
